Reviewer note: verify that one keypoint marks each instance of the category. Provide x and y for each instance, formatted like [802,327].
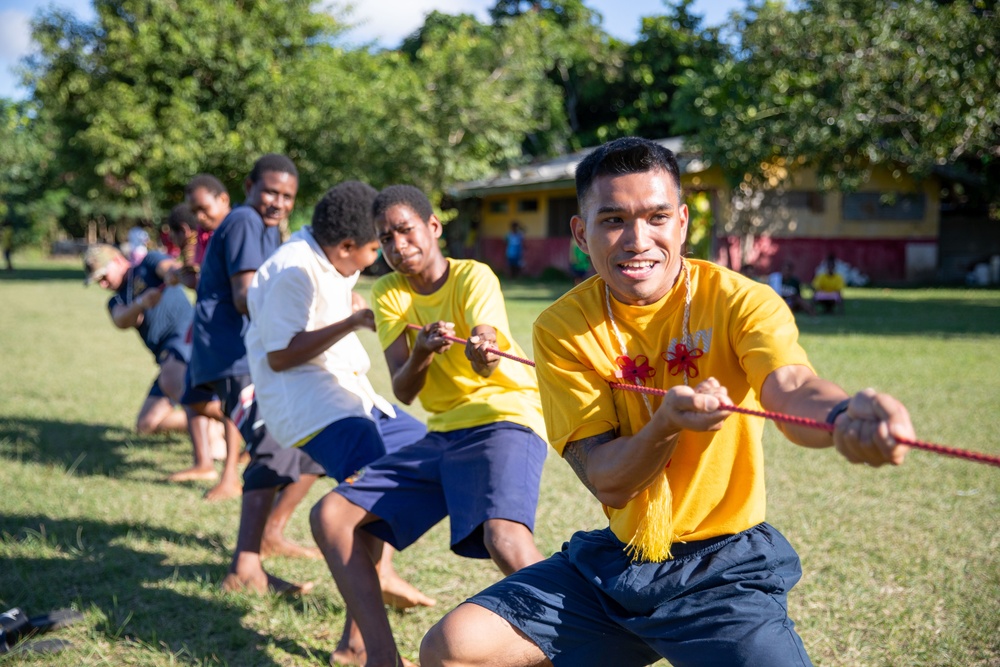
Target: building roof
[557,172]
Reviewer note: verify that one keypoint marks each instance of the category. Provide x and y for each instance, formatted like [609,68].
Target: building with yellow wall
[888,228]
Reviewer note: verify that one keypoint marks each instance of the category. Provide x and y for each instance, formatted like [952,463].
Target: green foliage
[844,85]
[149,94]
[672,49]
[579,57]
[29,201]
[456,103]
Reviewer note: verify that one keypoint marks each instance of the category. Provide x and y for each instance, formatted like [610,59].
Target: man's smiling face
[633,227]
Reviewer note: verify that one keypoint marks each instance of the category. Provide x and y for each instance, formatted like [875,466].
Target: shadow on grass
[130,588]
[907,317]
[38,274]
[83,449]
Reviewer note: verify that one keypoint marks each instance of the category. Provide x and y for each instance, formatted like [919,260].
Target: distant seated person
[790,289]
[828,288]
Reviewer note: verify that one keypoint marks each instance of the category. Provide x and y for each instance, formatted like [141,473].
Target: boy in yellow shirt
[687,569]
[481,461]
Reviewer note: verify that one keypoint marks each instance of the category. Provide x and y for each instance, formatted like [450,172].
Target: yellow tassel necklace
[654,532]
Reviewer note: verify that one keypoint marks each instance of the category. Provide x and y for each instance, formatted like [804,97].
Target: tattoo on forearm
[578,452]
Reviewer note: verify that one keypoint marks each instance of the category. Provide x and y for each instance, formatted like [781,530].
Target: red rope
[454,339]
[978,457]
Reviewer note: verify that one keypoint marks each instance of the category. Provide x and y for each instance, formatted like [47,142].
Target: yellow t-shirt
[828,282]
[744,331]
[455,395]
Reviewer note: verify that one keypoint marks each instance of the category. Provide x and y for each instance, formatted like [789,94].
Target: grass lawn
[901,567]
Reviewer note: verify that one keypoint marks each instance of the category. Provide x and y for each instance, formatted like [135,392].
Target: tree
[150,93]
[29,200]
[671,49]
[582,59]
[844,85]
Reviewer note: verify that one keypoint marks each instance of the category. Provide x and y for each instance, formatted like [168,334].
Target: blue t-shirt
[241,243]
[515,245]
[165,324]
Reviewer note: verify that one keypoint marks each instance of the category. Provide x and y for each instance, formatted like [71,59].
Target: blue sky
[384,21]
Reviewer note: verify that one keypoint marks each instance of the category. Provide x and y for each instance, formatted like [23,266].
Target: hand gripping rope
[977,457]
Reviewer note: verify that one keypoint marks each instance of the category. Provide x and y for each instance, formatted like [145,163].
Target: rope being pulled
[455,339]
[823,426]
[978,457]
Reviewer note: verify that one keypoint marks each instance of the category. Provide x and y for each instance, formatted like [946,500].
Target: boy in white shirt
[309,368]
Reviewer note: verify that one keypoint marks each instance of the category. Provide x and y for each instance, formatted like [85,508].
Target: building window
[561,210]
[527,205]
[499,206]
[806,200]
[884,206]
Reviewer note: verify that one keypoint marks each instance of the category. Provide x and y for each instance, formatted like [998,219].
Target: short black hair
[181,215]
[272,162]
[627,155]
[403,194]
[206,181]
[345,212]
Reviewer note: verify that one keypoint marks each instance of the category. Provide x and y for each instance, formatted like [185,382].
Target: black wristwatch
[836,411]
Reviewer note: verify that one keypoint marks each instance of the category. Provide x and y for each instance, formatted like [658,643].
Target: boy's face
[633,227]
[273,196]
[351,257]
[210,209]
[410,244]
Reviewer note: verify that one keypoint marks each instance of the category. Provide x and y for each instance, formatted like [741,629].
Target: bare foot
[348,657]
[224,490]
[263,583]
[288,549]
[401,594]
[194,474]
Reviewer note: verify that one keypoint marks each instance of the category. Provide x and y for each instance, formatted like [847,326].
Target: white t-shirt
[298,289]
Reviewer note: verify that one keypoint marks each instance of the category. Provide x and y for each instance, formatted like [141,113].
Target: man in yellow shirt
[687,569]
[481,462]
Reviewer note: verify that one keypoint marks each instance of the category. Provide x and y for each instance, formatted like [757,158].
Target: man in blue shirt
[247,236]
[161,314]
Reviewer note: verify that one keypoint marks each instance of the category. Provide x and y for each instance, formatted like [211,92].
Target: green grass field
[901,566]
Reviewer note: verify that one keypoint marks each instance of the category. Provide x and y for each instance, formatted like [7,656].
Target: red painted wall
[539,254]
[882,260]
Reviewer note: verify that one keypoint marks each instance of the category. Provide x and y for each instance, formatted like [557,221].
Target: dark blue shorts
[340,449]
[155,391]
[271,465]
[347,445]
[399,431]
[719,602]
[202,393]
[474,474]
[171,351]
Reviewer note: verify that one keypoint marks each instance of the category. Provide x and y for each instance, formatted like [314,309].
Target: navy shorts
[719,602]
[170,351]
[202,393]
[473,475]
[155,391]
[271,465]
[340,449]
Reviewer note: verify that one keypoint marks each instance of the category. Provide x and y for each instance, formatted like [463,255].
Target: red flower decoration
[639,369]
[682,360]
